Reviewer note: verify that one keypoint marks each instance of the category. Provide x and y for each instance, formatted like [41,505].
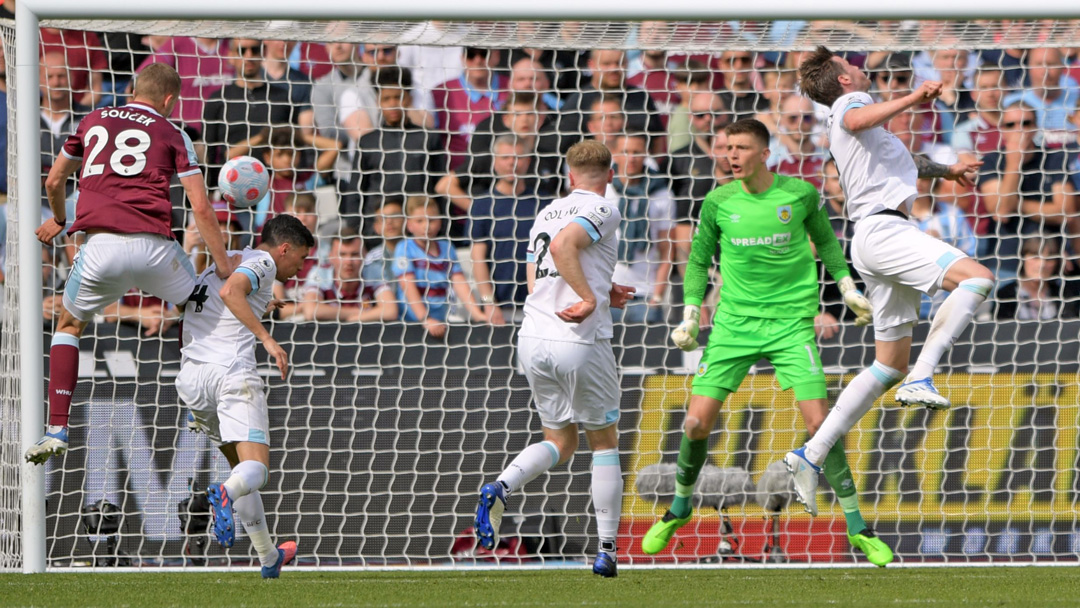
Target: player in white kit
[565,349]
[221,386]
[897,261]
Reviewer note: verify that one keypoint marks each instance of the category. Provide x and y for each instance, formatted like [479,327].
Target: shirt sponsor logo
[735,217]
[782,239]
[783,212]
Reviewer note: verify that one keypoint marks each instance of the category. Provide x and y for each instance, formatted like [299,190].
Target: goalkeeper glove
[685,335]
[857,302]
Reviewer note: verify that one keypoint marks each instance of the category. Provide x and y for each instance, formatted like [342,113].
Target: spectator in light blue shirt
[943,220]
[1052,93]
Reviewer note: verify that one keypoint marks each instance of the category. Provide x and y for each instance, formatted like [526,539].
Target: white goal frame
[30,12]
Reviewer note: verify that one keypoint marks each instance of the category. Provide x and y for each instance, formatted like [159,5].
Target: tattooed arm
[957,172]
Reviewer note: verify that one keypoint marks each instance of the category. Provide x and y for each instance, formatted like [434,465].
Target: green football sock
[692,456]
[838,474]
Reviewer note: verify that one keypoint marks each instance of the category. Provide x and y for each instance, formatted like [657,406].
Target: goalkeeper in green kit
[763,223]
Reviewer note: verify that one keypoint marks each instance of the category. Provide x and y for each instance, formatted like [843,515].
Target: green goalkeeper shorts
[736,343]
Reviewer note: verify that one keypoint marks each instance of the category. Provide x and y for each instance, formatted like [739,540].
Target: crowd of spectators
[421,168]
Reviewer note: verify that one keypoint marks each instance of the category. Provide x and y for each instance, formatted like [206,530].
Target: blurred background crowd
[422,168]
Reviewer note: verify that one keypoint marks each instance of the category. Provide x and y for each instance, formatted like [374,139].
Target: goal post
[373,411]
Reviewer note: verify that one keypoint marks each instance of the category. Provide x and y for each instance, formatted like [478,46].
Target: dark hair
[393,199]
[749,126]
[284,228]
[818,76]
[472,52]
[282,138]
[694,72]
[603,98]
[346,235]
[523,98]
[393,77]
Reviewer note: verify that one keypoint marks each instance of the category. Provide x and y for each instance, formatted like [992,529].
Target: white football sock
[247,477]
[249,510]
[607,489]
[851,406]
[949,322]
[529,464]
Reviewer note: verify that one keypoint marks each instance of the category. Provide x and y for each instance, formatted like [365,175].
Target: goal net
[383,433]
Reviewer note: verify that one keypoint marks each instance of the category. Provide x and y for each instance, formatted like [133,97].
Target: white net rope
[382,435]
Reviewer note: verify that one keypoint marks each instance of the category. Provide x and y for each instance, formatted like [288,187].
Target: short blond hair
[589,159]
[157,81]
[416,203]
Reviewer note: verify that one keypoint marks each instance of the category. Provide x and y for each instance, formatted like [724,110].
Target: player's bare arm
[960,172]
[566,250]
[55,184]
[234,294]
[206,222]
[877,114]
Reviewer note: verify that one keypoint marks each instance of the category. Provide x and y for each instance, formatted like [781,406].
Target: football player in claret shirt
[128,156]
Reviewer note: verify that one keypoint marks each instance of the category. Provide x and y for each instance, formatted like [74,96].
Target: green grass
[866,588]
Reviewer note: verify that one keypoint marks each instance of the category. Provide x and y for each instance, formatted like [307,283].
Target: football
[243,181]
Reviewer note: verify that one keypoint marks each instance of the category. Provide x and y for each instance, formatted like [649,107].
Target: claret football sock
[63,374]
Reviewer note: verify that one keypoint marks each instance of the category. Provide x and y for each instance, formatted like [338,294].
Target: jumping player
[128,156]
[897,261]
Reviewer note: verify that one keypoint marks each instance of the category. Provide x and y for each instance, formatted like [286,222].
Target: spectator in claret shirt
[464,102]
[499,224]
[238,118]
[337,292]
[650,71]
[204,68]
[85,59]
[609,79]
[978,134]
[795,147]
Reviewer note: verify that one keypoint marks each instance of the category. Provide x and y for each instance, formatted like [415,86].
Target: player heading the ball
[764,224]
[897,261]
[128,156]
[565,349]
[219,381]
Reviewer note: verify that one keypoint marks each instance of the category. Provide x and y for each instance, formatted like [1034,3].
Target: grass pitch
[863,587]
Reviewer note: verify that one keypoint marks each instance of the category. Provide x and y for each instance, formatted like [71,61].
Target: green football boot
[876,551]
[659,535]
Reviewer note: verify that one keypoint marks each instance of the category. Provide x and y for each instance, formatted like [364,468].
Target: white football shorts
[109,265]
[572,383]
[899,263]
[229,403]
